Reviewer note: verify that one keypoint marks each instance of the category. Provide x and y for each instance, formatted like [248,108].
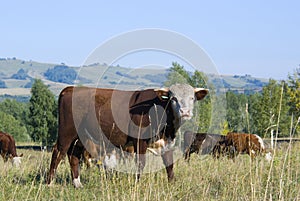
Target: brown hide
[7,146]
[240,143]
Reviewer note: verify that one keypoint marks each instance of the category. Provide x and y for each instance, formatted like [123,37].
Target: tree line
[276,108]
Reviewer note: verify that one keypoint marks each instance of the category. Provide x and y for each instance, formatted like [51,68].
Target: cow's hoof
[77,183]
[50,184]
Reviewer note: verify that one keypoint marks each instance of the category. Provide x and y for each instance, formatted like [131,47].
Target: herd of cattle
[229,145]
[94,121]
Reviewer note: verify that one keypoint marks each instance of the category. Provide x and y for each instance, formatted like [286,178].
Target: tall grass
[203,178]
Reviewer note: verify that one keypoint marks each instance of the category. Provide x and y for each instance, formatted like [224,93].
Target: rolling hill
[16,77]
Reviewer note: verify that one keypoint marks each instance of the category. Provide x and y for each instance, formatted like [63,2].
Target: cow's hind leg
[57,156]
[168,162]
[5,157]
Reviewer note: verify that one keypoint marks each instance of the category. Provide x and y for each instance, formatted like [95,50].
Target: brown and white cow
[8,149]
[199,142]
[240,143]
[115,118]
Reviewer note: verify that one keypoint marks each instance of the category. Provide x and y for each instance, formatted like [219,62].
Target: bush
[20,75]
[61,73]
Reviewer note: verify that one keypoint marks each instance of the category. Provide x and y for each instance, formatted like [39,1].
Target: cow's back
[244,142]
[7,144]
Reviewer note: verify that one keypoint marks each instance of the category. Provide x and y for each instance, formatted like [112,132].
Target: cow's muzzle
[185,113]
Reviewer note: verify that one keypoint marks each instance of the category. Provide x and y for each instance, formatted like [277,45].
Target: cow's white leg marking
[77,183]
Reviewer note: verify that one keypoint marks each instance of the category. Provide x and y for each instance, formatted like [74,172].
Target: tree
[17,109]
[177,74]
[293,92]
[42,114]
[61,73]
[254,103]
[236,114]
[12,126]
[203,108]
[273,102]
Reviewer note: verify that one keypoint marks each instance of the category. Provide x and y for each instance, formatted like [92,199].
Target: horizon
[119,66]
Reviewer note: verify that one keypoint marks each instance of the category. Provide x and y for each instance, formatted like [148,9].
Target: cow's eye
[192,98]
[174,99]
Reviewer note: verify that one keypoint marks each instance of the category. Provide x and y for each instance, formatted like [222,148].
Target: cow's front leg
[140,148]
[167,158]
[74,159]
[75,171]
[187,154]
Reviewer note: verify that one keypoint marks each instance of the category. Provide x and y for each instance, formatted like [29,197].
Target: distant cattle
[115,117]
[8,149]
[240,143]
[199,142]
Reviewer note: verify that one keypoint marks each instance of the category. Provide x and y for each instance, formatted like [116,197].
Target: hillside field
[18,75]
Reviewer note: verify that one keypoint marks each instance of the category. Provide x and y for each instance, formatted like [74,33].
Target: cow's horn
[162,89]
[201,89]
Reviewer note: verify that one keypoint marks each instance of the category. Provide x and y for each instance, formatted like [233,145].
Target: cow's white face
[182,101]
[183,97]
[16,161]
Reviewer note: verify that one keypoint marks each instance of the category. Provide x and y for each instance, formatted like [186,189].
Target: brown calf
[240,143]
[8,149]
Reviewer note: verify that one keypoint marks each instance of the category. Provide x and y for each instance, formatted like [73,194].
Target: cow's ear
[162,93]
[200,93]
[21,155]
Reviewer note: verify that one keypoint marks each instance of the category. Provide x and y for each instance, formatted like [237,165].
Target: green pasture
[203,178]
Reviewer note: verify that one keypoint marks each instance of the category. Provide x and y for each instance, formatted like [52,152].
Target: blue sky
[260,38]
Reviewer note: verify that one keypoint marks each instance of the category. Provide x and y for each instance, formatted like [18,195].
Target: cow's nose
[184,112]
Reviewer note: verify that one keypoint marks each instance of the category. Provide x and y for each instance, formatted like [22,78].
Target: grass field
[201,179]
